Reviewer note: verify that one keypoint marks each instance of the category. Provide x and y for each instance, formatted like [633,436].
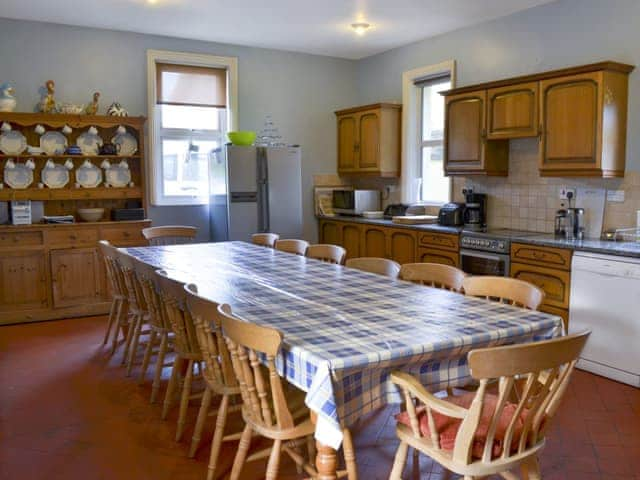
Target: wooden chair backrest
[170,234]
[265,239]
[173,298]
[114,274]
[505,290]
[381,266]
[327,253]
[264,402]
[219,371]
[134,291]
[292,245]
[147,279]
[433,275]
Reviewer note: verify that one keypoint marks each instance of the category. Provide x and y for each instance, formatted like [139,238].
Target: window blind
[191,86]
[431,80]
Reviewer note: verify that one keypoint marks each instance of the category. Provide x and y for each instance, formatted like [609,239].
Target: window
[192,105]
[434,186]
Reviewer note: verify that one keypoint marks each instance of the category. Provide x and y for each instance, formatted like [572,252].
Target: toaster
[451,214]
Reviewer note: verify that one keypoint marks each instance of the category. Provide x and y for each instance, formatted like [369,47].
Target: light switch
[615,196]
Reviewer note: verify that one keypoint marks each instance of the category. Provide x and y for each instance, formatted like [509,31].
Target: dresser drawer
[72,237]
[123,235]
[20,239]
[555,283]
[543,256]
[445,241]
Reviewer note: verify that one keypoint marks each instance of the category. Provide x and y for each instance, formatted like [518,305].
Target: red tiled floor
[68,412]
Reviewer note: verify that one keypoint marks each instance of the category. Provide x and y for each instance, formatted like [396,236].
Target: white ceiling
[312,26]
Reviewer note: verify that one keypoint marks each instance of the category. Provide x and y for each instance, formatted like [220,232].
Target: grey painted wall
[556,35]
[300,91]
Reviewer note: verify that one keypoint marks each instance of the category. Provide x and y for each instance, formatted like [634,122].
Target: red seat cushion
[447,427]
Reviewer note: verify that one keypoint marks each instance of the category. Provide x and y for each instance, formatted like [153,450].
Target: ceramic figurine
[7,100]
[116,110]
[48,103]
[92,108]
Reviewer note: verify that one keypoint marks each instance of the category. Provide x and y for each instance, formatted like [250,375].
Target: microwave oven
[355,202]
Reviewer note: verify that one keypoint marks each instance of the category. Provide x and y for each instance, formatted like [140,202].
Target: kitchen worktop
[624,249]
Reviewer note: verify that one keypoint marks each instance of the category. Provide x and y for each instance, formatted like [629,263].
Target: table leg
[326,458]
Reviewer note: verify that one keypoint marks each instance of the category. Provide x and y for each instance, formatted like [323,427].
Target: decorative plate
[89,143]
[12,143]
[88,175]
[56,176]
[53,143]
[117,175]
[128,144]
[18,177]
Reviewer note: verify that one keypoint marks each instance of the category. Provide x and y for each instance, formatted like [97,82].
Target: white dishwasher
[605,298]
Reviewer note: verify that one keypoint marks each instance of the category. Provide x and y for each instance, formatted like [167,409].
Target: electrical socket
[562,192]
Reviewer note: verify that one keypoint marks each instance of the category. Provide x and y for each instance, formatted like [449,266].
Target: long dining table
[346,330]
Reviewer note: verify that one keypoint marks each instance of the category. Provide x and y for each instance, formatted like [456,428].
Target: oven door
[484,263]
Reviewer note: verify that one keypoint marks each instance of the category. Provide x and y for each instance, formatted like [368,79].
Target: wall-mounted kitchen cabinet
[579,115]
[369,140]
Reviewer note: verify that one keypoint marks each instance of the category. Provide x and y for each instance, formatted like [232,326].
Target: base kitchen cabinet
[439,248]
[434,255]
[374,241]
[76,277]
[352,239]
[23,282]
[402,245]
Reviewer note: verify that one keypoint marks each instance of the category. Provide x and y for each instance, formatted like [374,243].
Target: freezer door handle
[244,197]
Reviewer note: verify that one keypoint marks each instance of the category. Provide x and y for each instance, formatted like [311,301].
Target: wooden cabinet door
[369,141]
[555,283]
[374,241]
[352,239]
[330,232]
[434,255]
[402,245]
[571,121]
[23,283]
[347,142]
[465,132]
[513,111]
[76,278]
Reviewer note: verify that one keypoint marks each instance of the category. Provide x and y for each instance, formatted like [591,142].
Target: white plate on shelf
[53,143]
[117,175]
[128,144]
[18,177]
[89,143]
[12,143]
[55,177]
[88,175]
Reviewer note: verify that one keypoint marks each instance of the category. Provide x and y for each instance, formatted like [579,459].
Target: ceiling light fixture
[360,27]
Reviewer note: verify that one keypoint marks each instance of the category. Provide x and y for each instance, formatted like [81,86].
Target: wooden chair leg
[349,455]
[218,435]
[205,403]
[121,313]
[133,350]
[399,461]
[133,321]
[531,470]
[311,449]
[155,387]
[112,314]
[184,400]
[241,454]
[274,461]
[168,396]
[147,355]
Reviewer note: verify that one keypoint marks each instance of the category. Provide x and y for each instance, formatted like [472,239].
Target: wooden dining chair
[481,433]
[188,353]
[268,408]
[170,234]
[218,374]
[265,239]
[160,335]
[119,311]
[291,245]
[505,290]
[327,253]
[381,266]
[433,275]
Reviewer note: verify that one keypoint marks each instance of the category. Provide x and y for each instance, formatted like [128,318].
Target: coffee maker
[475,213]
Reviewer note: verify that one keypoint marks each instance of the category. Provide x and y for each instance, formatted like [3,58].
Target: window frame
[154,163]
[411,176]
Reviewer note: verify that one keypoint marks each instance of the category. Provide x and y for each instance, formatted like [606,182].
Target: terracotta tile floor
[68,412]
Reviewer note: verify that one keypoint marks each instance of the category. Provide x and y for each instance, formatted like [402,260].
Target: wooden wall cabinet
[513,111]
[369,140]
[467,151]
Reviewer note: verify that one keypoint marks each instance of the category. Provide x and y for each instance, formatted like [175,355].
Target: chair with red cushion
[483,433]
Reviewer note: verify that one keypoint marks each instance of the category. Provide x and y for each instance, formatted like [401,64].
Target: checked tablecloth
[345,330]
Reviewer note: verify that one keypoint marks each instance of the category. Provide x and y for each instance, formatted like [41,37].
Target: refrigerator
[263,193]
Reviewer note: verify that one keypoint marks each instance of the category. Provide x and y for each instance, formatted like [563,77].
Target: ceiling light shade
[360,27]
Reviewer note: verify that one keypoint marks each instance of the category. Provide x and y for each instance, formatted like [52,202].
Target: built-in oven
[476,262]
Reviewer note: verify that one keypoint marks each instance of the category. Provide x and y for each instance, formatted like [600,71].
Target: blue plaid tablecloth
[345,330]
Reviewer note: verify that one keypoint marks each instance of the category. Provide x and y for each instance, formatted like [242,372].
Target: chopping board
[415,219]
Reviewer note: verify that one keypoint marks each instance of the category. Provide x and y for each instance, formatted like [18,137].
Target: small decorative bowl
[242,138]
[91,214]
[71,109]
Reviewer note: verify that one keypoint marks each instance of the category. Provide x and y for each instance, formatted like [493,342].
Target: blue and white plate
[53,143]
[18,177]
[89,143]
[56,176]
[12,142]
[128,144]
[88,175]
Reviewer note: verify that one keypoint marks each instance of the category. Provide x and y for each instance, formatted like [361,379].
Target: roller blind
[191,86]
[431,80]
